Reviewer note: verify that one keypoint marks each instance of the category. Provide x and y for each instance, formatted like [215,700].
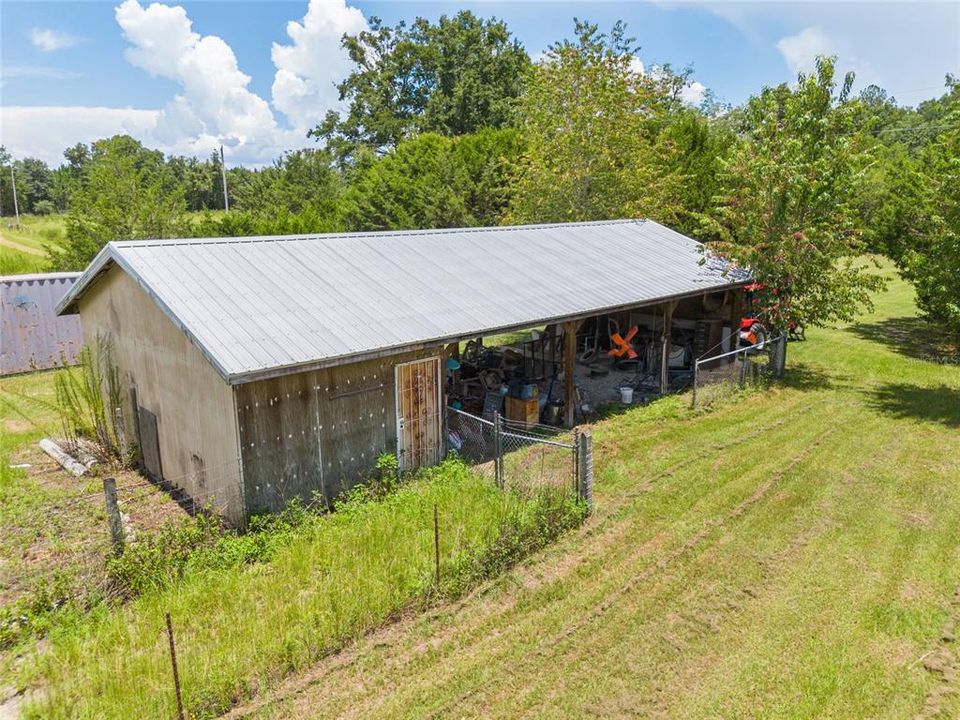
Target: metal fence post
[575,452]
[743,370]
[696,380]
[176,672]
[586,469]
[497,451]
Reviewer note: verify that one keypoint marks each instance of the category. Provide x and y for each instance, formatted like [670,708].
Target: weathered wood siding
[196,415]
[317,432]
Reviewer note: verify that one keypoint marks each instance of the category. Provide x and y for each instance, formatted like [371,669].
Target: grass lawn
[792,553]
[24,249]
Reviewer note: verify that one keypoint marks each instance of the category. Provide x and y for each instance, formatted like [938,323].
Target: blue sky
[184,77]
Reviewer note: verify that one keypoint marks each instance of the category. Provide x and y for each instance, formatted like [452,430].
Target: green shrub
[159,560]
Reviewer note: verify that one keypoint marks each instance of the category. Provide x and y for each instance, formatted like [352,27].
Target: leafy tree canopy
[590,120]
[786,208]
[434,181]
[128,193]
[453,77]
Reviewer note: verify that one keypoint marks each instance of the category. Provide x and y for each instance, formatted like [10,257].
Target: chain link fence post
[585,456]
[497,450]
[696,382]
[575,453]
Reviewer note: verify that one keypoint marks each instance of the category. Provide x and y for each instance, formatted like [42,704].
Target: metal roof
[32,337]
[265,306]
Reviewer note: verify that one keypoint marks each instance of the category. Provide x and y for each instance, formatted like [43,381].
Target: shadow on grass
[911,336]
[932,404]
[803,377]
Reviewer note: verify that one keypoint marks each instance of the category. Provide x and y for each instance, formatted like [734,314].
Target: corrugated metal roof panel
[261,306]
[32,337]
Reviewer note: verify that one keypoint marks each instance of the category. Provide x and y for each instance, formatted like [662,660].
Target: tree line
[452,124]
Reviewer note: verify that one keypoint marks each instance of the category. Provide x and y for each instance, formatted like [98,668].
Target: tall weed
[87,396]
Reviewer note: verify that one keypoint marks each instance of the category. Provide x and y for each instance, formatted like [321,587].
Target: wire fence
[522,458]
[717,376]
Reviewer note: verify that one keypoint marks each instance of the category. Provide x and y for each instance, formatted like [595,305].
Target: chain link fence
[719,375]
[523,458]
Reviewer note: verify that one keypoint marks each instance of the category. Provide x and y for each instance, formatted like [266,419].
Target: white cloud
[49,40]
[636,64]
[800,50]
[214,105]
[66,126]
[693,93]
[304,86]
[10,72]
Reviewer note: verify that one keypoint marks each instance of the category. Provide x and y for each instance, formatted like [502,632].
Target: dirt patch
[917,519]
[13,245]
[16,425]
[944,664]
[55,524]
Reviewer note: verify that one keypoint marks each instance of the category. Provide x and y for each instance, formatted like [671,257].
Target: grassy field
[792,553]
[242,628]
[24,249]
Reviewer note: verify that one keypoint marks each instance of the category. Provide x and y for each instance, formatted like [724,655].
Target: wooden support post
[736,312]
[665,358]
[113,515]
[569,364]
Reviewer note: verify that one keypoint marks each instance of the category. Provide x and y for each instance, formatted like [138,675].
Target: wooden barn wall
[317,432]
[194,407]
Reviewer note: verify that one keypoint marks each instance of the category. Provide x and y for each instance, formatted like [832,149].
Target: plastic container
[626,395]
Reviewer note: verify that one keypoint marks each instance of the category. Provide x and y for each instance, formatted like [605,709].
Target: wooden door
[418,413]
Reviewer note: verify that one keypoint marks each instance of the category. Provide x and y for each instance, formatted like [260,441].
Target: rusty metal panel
[318,433]
[32,335]
[270,306]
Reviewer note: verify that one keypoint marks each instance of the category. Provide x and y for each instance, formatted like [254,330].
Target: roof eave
[243,378]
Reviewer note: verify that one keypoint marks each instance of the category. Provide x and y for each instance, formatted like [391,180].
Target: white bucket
[626,395]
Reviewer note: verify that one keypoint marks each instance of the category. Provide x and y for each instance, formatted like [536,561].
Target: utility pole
[16,208]
[223,171]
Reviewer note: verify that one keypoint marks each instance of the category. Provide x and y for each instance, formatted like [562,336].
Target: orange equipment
[621,346]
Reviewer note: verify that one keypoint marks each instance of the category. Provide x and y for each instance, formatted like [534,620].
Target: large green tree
[451,77]
[786,208]
[931,260]
[128,193]
[590,122]
[434,181]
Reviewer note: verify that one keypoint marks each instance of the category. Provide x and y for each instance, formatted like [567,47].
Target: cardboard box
[523,411]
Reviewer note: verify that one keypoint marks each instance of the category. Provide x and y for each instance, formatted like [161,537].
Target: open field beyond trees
[793,553]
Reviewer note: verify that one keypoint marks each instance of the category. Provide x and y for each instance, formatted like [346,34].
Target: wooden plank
[666,339]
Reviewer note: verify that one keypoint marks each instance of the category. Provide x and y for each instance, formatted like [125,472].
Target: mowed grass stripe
[638,604]
[657,527]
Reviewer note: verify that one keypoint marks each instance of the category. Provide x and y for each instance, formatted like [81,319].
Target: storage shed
[32,336]
[266,368]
